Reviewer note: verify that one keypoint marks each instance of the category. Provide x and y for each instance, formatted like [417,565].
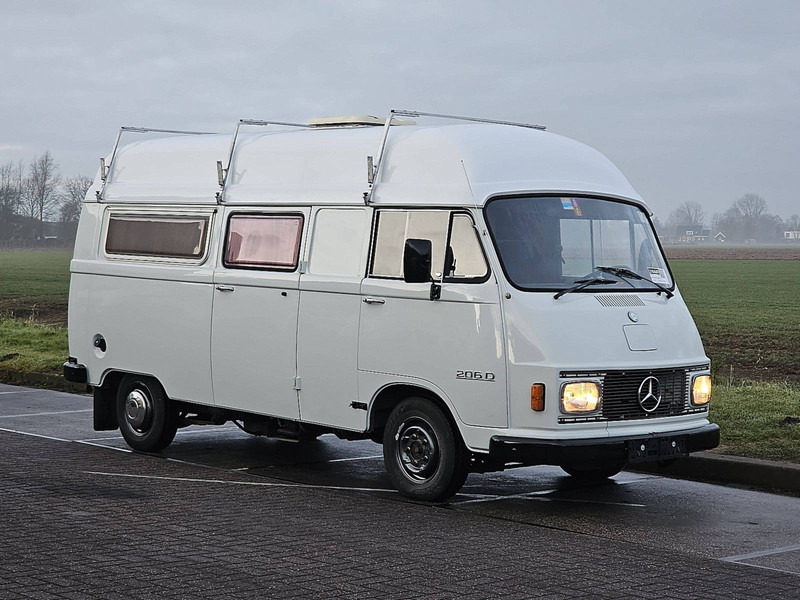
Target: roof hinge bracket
[298,383]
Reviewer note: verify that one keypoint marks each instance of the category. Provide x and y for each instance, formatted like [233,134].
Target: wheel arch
[390,395]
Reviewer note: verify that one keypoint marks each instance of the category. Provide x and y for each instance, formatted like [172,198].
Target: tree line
[37,203]
[747,219]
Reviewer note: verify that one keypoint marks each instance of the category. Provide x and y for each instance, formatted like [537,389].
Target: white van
[472,294]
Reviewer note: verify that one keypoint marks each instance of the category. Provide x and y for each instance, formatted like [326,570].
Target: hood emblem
[633,316]
[650,394]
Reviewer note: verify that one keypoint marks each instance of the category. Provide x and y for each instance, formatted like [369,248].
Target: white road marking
[21,392]
[576,500]
[529,495]
[47,437]
[41,414]
[87,443]
[180,432]
[251,483]
[761,553]
[333,460]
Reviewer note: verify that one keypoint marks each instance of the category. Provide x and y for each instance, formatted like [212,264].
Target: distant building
[720,237]
[791,236]
[691,234]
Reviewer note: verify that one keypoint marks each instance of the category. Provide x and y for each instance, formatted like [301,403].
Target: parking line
[761,553]
[251,483]
[179,432]
[47,437]
[21,392]
[40,414]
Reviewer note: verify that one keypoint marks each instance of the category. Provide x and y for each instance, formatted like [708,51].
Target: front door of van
[254,321]
[454,343]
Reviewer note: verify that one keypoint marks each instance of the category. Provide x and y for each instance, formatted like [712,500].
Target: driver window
[395,227]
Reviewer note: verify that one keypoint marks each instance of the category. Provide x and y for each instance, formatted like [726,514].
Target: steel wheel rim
[138,411]
[417,449]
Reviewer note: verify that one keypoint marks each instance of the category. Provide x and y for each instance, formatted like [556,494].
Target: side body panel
[330,303]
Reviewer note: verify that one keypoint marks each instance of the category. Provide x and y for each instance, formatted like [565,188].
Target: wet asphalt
[730,524]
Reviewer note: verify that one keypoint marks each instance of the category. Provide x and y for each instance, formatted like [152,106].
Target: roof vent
[356,120]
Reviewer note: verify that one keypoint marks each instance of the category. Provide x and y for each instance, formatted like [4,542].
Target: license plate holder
[657,448]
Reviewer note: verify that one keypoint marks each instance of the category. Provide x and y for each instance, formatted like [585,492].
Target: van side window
[469,262]
[263,241]
[395,227]
[163,236]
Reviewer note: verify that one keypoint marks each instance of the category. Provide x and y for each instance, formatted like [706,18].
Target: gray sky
[695,100]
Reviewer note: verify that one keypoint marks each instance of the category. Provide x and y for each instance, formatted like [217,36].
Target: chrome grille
[621,394]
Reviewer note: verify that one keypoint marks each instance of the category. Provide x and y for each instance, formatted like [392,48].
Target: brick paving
[68,534]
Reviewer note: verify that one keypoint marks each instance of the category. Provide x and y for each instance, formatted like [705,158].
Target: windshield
[549,243]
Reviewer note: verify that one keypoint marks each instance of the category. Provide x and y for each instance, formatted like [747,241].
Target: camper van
[472,294]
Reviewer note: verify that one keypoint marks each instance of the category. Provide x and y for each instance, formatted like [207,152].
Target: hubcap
[417,449]
[138,410]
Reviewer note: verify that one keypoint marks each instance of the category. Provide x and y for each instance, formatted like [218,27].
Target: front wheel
[423,453]
[594,472]
[147,420]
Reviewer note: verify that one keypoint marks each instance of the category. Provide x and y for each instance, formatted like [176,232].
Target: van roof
[454,164]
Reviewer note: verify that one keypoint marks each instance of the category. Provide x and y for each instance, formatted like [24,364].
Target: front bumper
[653,447]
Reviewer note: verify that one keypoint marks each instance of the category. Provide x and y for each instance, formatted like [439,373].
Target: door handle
[369,300]
[224,288]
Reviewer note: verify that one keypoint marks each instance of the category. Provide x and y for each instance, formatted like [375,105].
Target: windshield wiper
[623,273]
[582,283]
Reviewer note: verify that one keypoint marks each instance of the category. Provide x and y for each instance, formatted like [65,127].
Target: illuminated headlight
[580,397]
[701,389]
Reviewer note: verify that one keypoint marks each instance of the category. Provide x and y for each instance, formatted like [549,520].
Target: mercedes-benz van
[472,294]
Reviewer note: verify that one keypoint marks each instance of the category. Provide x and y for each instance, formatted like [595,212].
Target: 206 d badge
[650,394]
[475,376]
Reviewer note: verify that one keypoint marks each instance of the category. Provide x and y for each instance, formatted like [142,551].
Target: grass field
[747,312]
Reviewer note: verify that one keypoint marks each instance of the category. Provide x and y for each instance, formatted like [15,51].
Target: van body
[473,295]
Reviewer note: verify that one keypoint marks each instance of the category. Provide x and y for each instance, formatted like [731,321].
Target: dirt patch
[43,313]
[723,252]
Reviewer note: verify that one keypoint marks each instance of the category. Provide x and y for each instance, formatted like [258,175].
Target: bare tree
[751,206]
[793,223]
[72,196]
[688,213]
[41,189]
[11,183]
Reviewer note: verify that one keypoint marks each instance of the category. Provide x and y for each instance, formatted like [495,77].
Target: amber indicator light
[537,397]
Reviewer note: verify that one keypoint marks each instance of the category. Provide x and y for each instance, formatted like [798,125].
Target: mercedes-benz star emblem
[633,316]
[650,394]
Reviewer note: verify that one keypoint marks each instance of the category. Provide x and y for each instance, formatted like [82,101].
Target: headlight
[701,390]
[580,397]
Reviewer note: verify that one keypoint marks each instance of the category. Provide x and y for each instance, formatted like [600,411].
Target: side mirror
[417,261]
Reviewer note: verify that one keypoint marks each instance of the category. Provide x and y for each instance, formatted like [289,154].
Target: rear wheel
[594,471]
[147,419]
[422,451]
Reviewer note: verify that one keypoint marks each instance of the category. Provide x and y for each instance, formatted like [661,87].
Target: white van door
[454,343]
[330,300]
[254,317]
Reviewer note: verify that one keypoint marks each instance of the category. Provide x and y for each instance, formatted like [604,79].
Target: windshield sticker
[566,203]
[658,275]
[576,208]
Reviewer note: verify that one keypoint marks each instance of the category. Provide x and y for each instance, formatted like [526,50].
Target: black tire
[147,419]
[594,472]
[423,453]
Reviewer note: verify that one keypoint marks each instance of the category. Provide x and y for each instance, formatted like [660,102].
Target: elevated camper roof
[448,164]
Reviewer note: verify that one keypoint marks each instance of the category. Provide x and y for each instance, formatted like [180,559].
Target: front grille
[621,394]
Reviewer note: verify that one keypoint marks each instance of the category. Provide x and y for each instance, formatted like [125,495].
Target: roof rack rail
[222,172]
[105,171]
[374,166]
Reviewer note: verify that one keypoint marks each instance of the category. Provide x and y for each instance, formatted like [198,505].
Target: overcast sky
[695,100]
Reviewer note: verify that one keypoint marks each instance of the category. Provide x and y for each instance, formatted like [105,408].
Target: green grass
[748,315]
[27,347]
[750,416]
[34,276]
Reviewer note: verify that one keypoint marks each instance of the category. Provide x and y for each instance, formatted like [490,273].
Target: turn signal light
[537,397]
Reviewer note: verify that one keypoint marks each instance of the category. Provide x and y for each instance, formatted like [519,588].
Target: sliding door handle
[224,288]
[369,300]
